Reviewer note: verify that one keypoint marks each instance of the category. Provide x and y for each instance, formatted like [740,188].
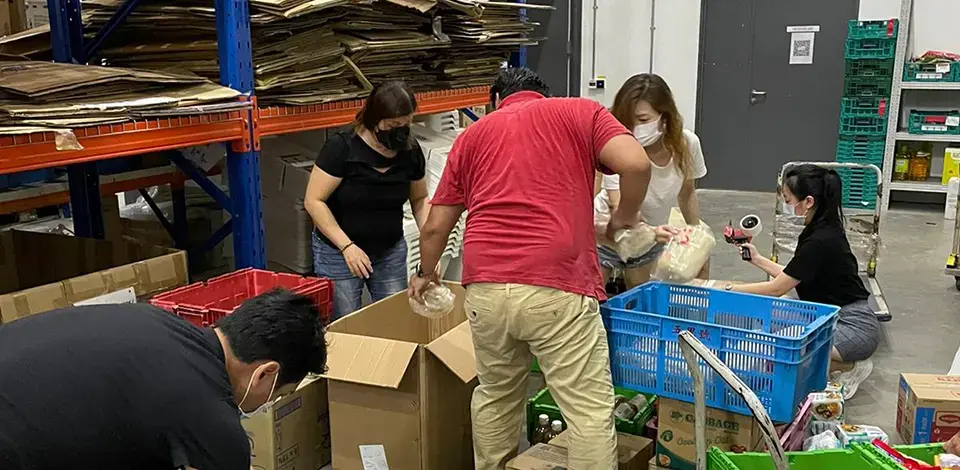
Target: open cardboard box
[400,387]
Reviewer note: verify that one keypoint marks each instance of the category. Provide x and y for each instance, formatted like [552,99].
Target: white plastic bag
[685,254]
[824,441]
[635,242]
[437,301]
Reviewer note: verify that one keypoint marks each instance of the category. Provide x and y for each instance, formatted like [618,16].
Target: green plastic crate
[859,188]
[879,68]
[863,106]
[543,403]
[862,150]
[873,29]
[863,125]
[922,452]
[934,122]
[870,48]
[536,366]
[858,457]
[867,87]
[942,72]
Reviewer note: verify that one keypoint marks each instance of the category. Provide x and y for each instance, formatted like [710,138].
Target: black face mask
[394,139]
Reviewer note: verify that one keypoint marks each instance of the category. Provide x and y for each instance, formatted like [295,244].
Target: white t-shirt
[665,184]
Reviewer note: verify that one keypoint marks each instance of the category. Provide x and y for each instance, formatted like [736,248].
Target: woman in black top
[824,270]
[356,194]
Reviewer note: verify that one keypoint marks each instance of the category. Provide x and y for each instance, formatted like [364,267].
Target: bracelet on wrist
[348,245]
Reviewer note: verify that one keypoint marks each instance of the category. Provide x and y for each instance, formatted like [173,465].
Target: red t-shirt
[525,174]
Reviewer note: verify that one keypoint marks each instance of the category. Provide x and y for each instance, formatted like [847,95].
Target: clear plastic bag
[635,242]
[864,243]
[685,254]
[437,301]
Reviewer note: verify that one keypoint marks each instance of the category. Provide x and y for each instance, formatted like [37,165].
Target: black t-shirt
[368,204]
[116,387]
[825,266]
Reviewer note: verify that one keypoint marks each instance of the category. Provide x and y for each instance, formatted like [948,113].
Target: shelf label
[929,76]
[933,128]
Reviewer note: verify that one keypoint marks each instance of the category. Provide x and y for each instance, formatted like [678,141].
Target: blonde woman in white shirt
[645,105]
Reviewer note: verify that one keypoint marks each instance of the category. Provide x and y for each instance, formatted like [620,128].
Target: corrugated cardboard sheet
[41,272]
[403,382]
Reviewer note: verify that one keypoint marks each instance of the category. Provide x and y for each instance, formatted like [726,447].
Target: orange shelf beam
[26,152]
[276,120]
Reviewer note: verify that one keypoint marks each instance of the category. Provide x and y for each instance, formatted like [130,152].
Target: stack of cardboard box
[676,444]
[928,408]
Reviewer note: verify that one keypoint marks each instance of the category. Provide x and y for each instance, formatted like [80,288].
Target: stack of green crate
[864,107]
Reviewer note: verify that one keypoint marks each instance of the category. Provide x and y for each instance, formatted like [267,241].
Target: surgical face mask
[265,404]
[649,133]
[394,139]
[791,209]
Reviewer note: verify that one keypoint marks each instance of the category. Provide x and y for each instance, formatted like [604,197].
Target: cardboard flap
[455,350]
[367,360]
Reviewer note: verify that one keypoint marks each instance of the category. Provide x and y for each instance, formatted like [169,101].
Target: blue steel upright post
[519,58]
[66,38]
[243,167]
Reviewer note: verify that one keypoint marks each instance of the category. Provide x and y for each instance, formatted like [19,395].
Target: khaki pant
[564,331]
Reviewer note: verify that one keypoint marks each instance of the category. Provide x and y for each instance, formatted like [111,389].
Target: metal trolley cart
[953,260]
[862,226]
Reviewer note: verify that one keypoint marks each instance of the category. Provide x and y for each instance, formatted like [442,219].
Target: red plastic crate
[203,303]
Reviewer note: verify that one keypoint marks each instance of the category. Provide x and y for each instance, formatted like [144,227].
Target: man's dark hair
[278,326]
[515,79]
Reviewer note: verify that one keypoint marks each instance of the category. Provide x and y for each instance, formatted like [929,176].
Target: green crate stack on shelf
[868,82]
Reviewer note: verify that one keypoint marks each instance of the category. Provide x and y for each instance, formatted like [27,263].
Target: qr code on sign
[802,47]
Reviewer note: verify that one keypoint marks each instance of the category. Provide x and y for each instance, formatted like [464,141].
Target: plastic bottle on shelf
[920,163]
[543,427]
[901,163]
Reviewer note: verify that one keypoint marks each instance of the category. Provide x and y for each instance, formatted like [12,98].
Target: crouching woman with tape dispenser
[823,270]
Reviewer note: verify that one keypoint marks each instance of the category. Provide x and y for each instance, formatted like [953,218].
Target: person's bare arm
[319,188]
[688,202]
[434,234]
[625,156]
[418,201]
[614,196]
[777,287]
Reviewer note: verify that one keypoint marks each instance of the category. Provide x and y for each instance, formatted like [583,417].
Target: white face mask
[649,133]
[265,404]
[791,209]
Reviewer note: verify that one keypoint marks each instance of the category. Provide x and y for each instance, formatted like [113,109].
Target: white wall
[623,41]
[623,47]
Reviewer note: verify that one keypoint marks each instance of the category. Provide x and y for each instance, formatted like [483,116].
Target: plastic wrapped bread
[437,301]
[685,254]
[635,242]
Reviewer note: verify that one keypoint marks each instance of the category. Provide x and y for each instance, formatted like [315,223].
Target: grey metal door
[557,59]
[756,110]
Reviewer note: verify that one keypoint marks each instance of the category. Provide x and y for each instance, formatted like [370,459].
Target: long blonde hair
[654,90]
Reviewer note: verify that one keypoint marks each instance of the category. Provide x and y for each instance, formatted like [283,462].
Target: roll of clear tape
[750,225]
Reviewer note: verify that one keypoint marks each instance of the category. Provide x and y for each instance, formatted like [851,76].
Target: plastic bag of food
[824,441]
[437,301]
[685,254]
[635,242]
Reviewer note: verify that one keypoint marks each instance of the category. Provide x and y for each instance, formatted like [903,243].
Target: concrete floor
[925,305]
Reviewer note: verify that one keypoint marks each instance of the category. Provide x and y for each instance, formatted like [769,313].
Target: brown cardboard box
[633,452]
[41,271]
[928,408]
[288,228]
[540,457]
[676,445]
[400,387]
[293,434]
[6,23]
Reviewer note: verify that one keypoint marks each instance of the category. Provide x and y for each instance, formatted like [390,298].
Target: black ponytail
[824,185]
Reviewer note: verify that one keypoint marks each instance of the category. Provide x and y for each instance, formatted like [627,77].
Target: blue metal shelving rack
[239,130]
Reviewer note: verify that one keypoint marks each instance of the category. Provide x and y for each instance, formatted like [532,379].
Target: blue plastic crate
[780,348]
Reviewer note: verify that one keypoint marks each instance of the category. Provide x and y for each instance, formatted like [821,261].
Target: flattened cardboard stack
[48,94]
[315,51]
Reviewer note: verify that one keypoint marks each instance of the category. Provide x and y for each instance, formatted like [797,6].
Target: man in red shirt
[525,174]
